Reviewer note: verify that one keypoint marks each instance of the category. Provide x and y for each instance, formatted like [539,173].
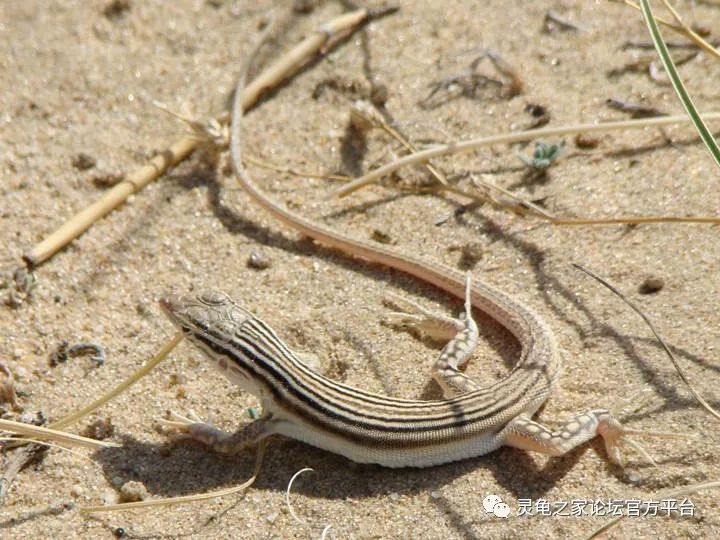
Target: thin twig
[18,458]
[522,206]
[520,136]
[290,508]
[287,494]
[633,109]
[54,435]
[552,18]
[681,28]
[665,347]
[294,172]
[630,220]
[670,45]
[370,116]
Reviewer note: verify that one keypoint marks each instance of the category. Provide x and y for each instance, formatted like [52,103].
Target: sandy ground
[76,78]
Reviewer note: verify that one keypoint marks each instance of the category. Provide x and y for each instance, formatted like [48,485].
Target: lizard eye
[213,298]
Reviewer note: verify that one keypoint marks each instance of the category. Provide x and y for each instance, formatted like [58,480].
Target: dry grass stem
[370,116]
[287,494]
[48,434]
[681,27]
[520,206]
[520,136]
[144,370]
[294,172]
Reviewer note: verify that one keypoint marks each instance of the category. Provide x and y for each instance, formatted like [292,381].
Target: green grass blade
[677,83]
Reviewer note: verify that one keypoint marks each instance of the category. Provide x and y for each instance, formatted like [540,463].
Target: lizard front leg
[222,441]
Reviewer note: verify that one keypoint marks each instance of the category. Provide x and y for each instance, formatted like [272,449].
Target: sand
[77,78]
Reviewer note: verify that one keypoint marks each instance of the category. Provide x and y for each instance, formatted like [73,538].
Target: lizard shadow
[174,469]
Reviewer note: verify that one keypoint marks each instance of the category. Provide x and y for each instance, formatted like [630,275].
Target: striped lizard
[370,428]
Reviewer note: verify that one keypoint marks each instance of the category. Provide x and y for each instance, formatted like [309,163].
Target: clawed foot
[217,439]
[616,437]
[194,428]
[524,433]
[413,315]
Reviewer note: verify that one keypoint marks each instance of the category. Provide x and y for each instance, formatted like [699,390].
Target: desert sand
[77,85]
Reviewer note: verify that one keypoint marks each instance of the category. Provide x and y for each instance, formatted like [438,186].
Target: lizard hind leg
[526,434]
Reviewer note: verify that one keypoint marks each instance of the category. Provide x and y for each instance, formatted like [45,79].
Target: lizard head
[223,331]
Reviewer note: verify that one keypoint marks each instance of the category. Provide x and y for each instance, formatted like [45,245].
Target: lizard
[366,427]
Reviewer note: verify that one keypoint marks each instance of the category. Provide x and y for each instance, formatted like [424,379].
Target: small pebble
[379,95]
[100,429]
[381,237]
[535,110]
[36,418]
[133,491]
[116,9]
[651,285]
[585,141]
[77,490]
[258,261]
[470,255]
[83,162]
[633,477]
[105,179]
[311,360]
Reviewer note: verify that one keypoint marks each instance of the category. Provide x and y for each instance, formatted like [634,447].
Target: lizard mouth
[173,307]
[166,304]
